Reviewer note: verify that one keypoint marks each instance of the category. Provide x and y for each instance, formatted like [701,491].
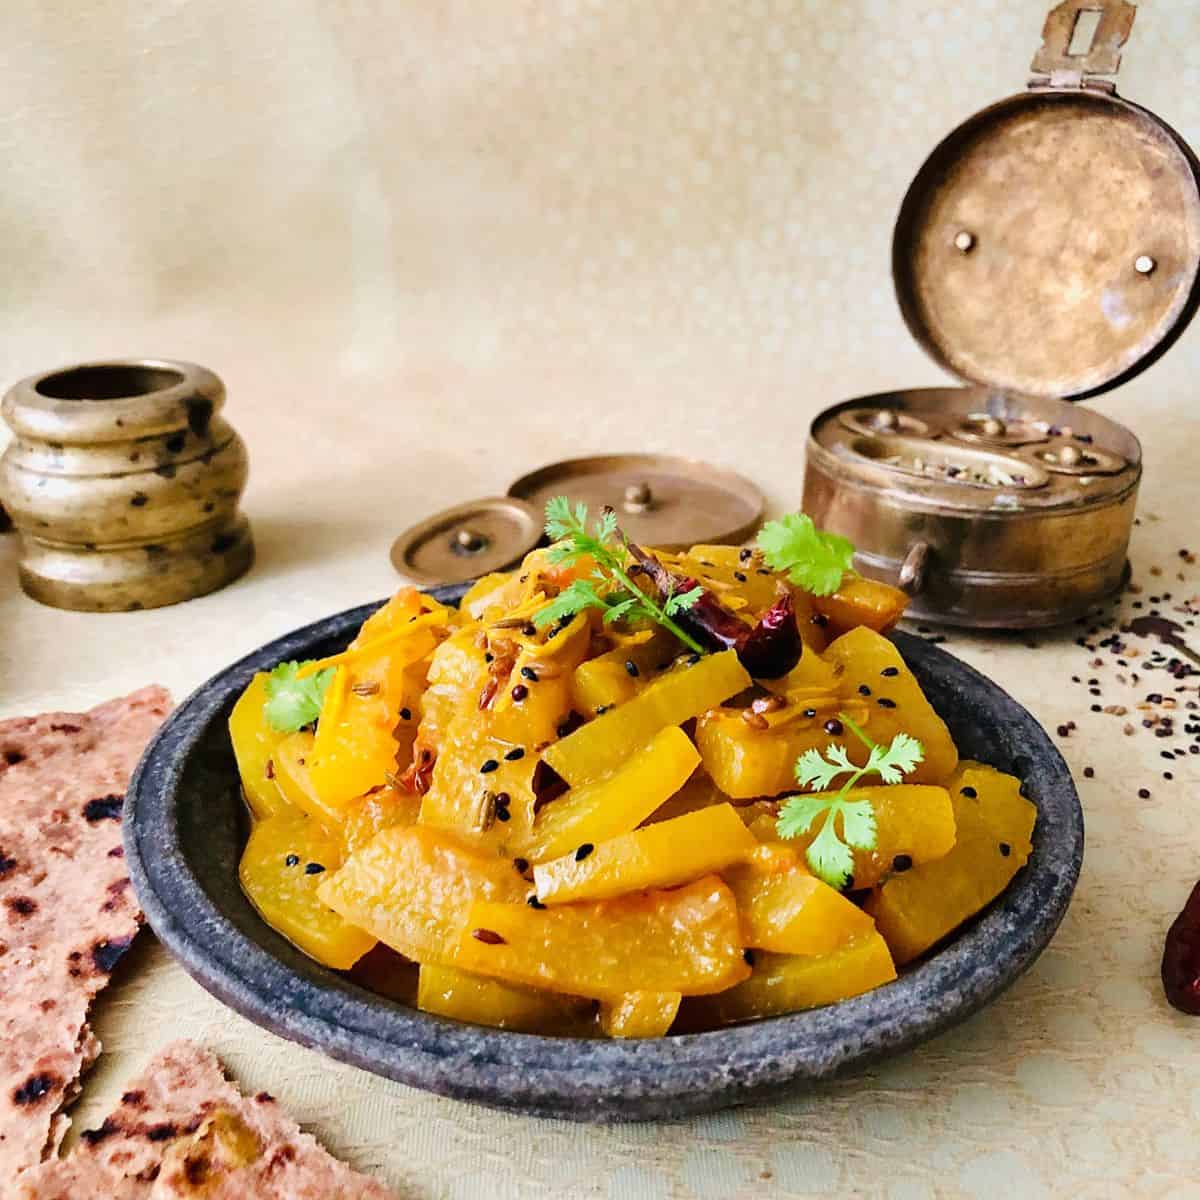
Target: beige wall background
[430,245]
[667,220]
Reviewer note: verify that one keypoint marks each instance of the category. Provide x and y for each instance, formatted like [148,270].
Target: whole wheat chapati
[67,911]
[183,1130]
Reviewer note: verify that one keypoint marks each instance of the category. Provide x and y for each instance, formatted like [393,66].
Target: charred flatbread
[183,1131]
[67,911]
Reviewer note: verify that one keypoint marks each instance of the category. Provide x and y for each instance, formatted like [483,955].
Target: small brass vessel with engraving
[124,483]
[1048,250]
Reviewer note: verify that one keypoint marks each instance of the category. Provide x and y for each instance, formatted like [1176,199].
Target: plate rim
[587,1080]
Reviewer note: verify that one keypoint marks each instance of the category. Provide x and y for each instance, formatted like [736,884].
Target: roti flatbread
[67,910]
[182,1130]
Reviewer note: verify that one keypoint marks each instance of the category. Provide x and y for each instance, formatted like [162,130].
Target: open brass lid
[1050,245]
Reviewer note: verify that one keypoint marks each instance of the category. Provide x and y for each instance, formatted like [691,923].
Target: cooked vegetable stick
[462,996]
[412,887]
[282,867]
[618,802]
[658,856]
[254,744]
[913,823]
[682,693]
[919,907]
[789,983]
[787,910]
[639,1014]
[687,940]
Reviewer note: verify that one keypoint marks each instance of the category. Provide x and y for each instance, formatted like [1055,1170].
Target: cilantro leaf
[797,815]
[829,855]
[620,610]
[830,858]
[293,703]
[561,522]
[613,590]
[811,558]
[858,824]
[899,759]
[578,597]
[683,601]
[812,770]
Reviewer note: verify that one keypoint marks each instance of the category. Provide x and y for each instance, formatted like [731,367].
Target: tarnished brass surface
[1062,192]
[1103,57]
[124,483]
[996,556]
[662,500]
[1048,249]
[468,540]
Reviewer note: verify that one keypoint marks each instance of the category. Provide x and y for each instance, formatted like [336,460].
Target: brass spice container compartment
[1047,250]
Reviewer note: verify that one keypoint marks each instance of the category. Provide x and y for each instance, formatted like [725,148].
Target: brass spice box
[1048,250]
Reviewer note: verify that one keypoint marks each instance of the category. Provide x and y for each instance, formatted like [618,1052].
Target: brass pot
[124,483]
[1048,250]
[991,511]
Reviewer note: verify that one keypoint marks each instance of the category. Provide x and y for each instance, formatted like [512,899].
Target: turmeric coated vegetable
[659,856]
[785,909]
[412,887]
[639,1014]
[679,694]
[254,744]
[449,992]
[616,803]
[617,793]
[917,908]
[789,983]
[686,940]
[286,859]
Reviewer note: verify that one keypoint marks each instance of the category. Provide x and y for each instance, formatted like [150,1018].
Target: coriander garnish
[293,703]
[610,588]
[812,559]
[831,856]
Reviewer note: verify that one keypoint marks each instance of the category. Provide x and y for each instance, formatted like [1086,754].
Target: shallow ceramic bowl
[184,831]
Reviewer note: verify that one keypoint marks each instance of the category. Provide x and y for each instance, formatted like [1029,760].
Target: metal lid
[662,500]
[468,540]
[1050,246]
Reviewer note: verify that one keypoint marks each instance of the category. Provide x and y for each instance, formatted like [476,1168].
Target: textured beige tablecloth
[431,245]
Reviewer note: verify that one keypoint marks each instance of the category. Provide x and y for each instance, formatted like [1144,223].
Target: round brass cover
[468,540]
[661,500]
[1050,245]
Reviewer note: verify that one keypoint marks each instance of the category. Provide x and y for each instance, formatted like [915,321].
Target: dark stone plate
[184,830]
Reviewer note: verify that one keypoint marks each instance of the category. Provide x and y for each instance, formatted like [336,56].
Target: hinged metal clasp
[1081,44]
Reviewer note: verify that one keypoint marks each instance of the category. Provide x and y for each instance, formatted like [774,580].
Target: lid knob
[992,427]
[964,240]
[1144,264]
[1070,456]
[469,541]
[638,497]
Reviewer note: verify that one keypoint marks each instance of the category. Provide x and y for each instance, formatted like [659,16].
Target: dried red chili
[1181,958]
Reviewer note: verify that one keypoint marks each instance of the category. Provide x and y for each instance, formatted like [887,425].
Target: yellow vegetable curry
[572,829]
